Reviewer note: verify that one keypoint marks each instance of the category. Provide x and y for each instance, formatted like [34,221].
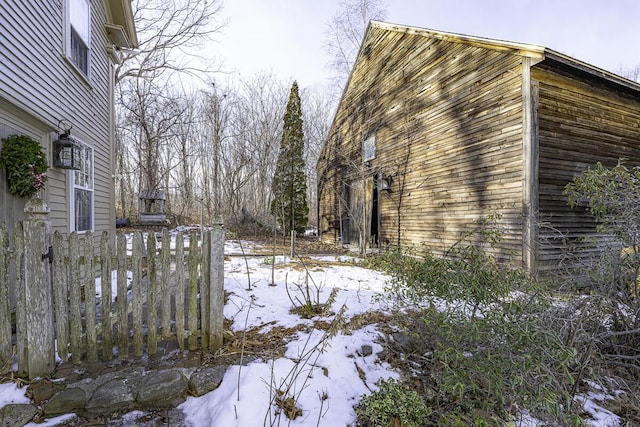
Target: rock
[88,385]
[366,350]
[206,379]
[43,390]
[163,389]
[132,376]
[249,359]
[15,414]
[113,396]
[401,340]
[66,401]
[171,417]
[407,343]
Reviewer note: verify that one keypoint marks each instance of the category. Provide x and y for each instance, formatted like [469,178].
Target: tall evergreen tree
[289,205]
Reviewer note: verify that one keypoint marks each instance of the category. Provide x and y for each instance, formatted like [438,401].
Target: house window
[79,34]
[82,192]
[369,149]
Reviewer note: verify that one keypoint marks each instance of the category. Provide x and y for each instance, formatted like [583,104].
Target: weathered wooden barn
[436,130]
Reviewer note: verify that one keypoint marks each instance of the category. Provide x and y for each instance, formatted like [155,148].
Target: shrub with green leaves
[465,275]
[25,164]
[483,343]
[612,269]
[392,401]
[612,195]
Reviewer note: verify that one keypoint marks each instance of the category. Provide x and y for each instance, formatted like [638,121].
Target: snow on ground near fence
[329,380]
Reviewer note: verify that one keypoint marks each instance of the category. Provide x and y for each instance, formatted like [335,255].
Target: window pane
[79,180]
[88,167]
[84,203]
[79,16]
[84,176]
[83,190]
[79,52]
[369,149]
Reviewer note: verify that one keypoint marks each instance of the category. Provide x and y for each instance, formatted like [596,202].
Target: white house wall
[37,82]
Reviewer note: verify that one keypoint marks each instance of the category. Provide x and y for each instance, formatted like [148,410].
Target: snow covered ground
[325,374]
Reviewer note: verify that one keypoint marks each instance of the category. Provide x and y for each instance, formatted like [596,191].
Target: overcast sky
[286,37]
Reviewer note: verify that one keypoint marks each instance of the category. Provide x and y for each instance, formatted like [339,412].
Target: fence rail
[150,290]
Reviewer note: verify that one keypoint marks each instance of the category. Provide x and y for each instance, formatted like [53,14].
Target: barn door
[375,213]
[359,202]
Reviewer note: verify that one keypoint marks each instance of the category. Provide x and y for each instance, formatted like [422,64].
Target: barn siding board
[468,127]
[580,125]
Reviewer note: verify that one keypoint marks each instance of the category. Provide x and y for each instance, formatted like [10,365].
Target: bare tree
[344,34]
[149,103]
[250,154]
[216,111]
[317,109]
[168,32]
[126,166]
[631,73]
[182,152]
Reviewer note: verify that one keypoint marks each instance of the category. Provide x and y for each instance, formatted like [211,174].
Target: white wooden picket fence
[167,287]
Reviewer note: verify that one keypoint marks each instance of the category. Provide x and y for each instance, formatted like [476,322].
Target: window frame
[369,148]
[87,171]
[73,40]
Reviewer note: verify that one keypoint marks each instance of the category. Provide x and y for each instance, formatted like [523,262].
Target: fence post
[216,293]
[5,305]
[37,292]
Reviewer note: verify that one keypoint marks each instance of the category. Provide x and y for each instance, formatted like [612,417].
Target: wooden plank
[6,352]
[530,168]
[75,299]
[60,281]
[21,316]
[90,298]
[37,291]
[192,301]
[137,294]
[180,287]
[122,297]
[216,305]
[205,290]
[107,316]
[152,309]
[165,291]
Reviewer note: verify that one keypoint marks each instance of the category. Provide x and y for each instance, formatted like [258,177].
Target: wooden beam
[530,166]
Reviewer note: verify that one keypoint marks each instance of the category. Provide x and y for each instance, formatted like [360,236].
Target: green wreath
[25,165]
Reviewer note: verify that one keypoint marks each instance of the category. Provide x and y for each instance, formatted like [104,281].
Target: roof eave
[523,49]
[121,15]
[591,70]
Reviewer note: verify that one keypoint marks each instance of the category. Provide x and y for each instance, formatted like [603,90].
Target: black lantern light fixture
[385,182]
[66,152]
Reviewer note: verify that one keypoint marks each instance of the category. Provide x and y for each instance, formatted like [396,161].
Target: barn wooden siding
[39,86]
[580,123]
[469,127]
[447,118]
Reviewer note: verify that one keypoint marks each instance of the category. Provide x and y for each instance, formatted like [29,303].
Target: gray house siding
[38,82]
[12,207]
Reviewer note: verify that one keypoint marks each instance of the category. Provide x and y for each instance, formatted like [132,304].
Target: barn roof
[542,54]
